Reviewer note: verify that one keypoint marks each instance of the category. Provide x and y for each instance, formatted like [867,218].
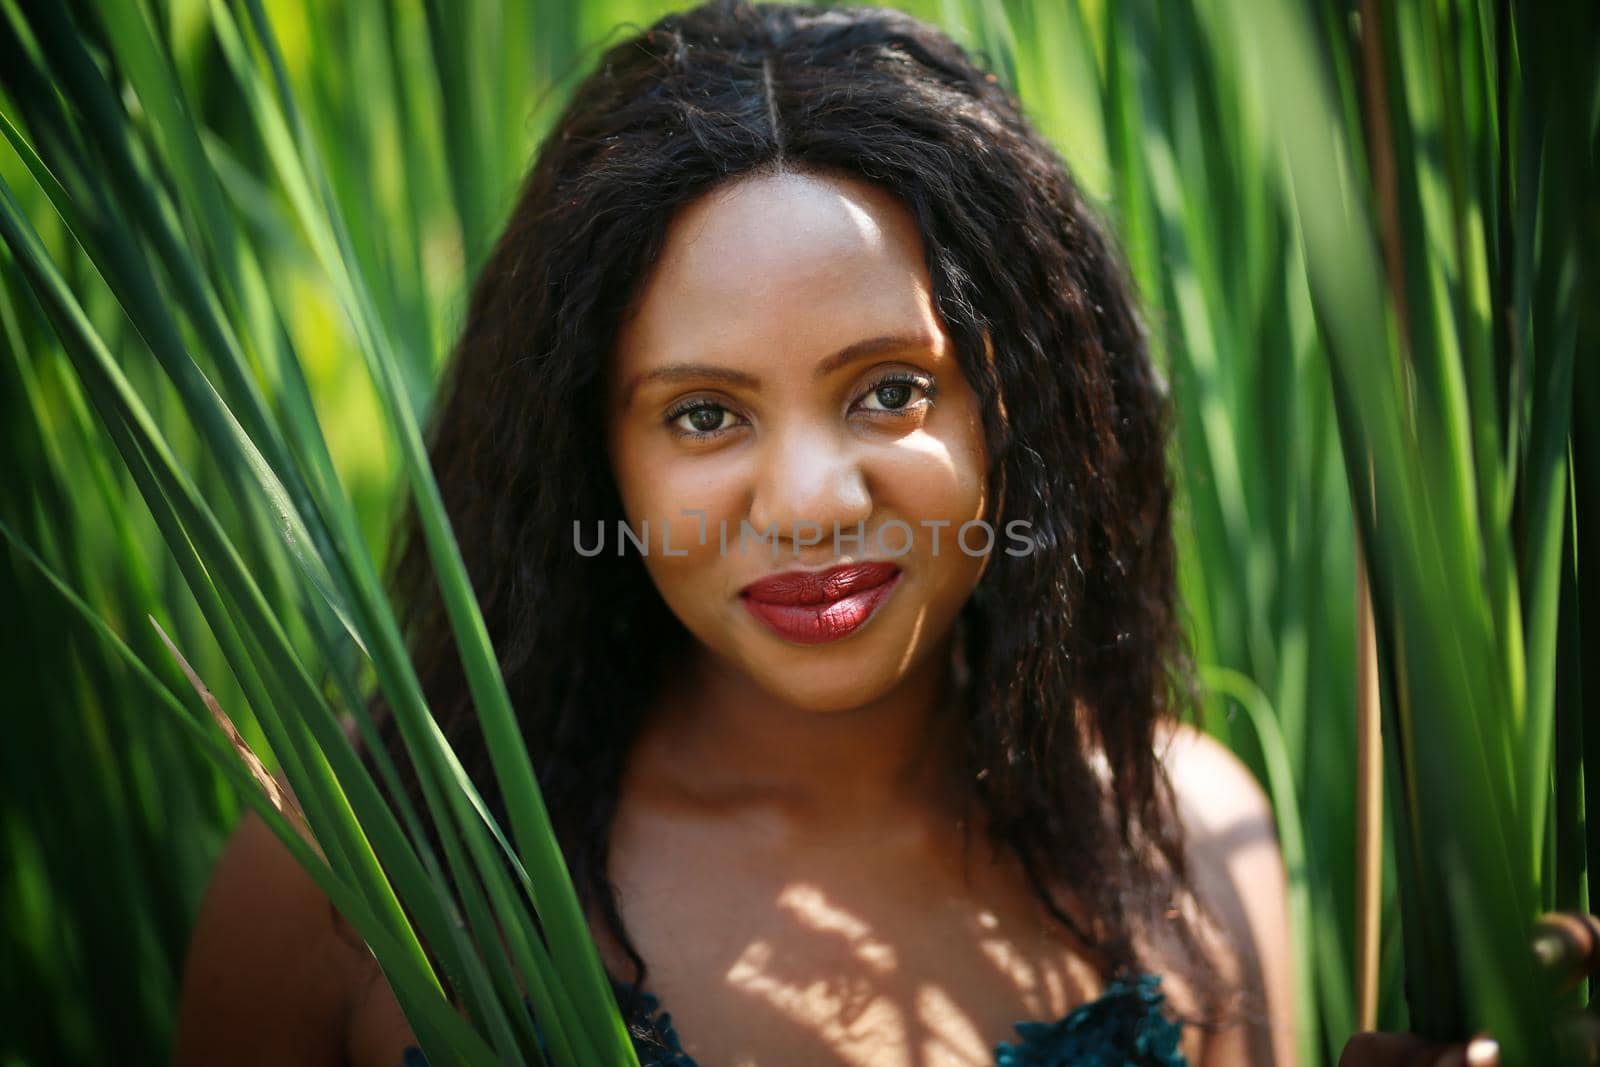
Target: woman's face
[786,375]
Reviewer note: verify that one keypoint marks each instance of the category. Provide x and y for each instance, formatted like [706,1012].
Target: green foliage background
[1365,237]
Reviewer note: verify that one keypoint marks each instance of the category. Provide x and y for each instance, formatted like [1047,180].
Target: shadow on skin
[849,991]
[832,945]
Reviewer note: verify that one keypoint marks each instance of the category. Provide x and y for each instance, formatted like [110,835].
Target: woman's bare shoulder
[1236,866]
[267,978]
[1217,787]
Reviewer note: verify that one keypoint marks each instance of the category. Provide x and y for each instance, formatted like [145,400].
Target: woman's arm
[267,979]
[1237,867]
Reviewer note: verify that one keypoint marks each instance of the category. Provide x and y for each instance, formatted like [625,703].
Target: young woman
[861,740]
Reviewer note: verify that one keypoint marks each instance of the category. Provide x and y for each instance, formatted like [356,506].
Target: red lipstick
[813,607]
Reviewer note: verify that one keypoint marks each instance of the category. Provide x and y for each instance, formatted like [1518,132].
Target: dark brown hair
[1073,647]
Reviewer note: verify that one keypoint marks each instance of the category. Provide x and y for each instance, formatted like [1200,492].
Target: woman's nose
[806,482]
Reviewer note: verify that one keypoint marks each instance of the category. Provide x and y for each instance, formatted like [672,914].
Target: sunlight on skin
[856,1020]
[1045,990]
[911,644]
[953,1038]
[849,1015]
[927,444]
[1009,962]
[857,1034]
[810,906]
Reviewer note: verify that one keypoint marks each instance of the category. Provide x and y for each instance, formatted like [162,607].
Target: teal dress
[1123,1027]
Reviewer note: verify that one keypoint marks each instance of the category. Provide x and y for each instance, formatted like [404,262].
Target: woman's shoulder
[1236,867]
[268,976]
[1214,788]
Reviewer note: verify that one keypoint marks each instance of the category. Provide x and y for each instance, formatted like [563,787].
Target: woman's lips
[813,607]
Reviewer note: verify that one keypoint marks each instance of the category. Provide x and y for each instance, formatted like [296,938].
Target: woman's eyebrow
[871,346]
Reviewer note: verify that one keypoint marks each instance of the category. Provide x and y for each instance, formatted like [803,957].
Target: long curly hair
[1075,650]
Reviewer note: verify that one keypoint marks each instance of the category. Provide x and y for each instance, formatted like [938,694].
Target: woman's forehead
[784,258]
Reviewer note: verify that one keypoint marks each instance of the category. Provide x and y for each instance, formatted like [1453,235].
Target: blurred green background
[1363,236]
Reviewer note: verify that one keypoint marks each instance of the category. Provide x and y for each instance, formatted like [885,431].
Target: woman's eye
[701,418]
[895,394]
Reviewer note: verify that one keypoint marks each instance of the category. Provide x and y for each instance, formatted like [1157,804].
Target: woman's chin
[827,679]
[809,694]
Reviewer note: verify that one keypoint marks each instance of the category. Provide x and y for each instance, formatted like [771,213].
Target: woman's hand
[1566,943]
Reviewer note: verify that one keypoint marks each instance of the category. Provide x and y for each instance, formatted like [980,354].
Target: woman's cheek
[930,480]
[693,553]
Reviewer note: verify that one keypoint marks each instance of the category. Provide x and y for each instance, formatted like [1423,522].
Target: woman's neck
[718,740]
